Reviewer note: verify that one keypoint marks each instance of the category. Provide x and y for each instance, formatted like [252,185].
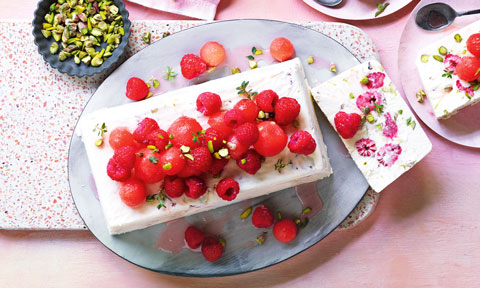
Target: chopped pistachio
[146,37]
[297,221]
[260,239]
[217,156]
[185,149]
[310,60]
[246,213]
[370,118]
[168,146]
[333,68]
[442,50]
[476,86]
[352,96]
[210,146]
[189,156]
[149,94]
[235,70]
[424,58]
[243,161]
[458,38]
[438,58]
[167,166]
[252,64]
[46,33]
[99,142]
[279,215]
[156,83]
[261,114]
[223,152]
[54,48]
[306,210]
[364,80]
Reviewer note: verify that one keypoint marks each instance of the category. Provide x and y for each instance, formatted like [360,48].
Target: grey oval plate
[340,192]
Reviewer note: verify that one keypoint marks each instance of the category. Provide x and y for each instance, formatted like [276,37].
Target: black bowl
[68,66]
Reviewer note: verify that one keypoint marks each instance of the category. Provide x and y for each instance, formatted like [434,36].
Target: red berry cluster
[284,230]
[185,153]
[212,249]
[212,54]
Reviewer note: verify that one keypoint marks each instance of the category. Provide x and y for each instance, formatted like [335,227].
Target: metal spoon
[437,16]
[329,3]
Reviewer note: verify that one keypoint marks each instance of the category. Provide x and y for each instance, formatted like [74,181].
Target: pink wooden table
[424,231]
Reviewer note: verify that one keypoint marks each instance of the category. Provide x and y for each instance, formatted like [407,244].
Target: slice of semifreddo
[282,171]
[375,124]
[436,64]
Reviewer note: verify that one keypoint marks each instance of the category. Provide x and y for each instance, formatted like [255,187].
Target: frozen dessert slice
[375,124]
[437,63]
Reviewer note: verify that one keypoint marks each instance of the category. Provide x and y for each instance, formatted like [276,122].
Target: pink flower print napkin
[201,9]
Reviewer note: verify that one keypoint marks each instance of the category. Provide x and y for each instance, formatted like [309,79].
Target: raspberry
[302,142]
[234,118]
[248,108]
[375,80]
[247,133]
[208,103]
[217,121]
[174,187]
[228,189]
[144,129]
[195,187]
[137,89]
[271,139]
[194,237]
[285,230]
[192,66]
[366,147]
[467,68]
[451,61]
[202,159]
[262,217]
[266,100]
[216,136]
[469,90]
[236,149]
[158,138]
[116,171]
[212,250]
[185,131]
[147,167]
[286,110]
[347,125]
[251,162]
[187,171]
[369,99]
[212,53]
[388,154]
[473,44]
[133,193]
[120,137]
[125,157]
[281,49]
[217,166]
[172,161]
[390,127]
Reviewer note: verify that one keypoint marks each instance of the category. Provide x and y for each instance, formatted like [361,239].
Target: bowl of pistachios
[81,37]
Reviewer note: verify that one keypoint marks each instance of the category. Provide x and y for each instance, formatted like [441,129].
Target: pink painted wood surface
[425,231]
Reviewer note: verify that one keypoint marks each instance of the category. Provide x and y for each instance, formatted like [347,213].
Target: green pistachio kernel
[442,50]
[310,60]
[438,58]
[364,80]
[424,58]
